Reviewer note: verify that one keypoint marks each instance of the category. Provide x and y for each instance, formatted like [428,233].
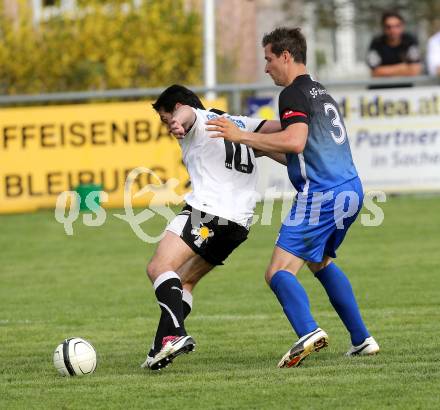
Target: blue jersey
[326,161]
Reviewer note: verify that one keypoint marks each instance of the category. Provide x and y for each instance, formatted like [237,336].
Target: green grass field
[92,285]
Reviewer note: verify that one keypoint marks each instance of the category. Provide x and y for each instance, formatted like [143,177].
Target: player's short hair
[391,13]
[287,39]
[177,94]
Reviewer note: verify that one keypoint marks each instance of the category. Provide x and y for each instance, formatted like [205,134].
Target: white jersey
[223,174]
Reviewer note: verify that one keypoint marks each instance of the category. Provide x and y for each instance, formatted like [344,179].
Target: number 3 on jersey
[330,109]
[233,155]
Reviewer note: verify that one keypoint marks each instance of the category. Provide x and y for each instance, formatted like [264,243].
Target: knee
[153,270]
[269,274]
[274,268]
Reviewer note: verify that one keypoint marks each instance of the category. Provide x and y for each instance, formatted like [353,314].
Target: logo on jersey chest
[202,234]
[314,92]
[239,123]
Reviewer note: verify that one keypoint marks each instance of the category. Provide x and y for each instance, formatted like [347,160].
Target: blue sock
[341,296]
[293,298]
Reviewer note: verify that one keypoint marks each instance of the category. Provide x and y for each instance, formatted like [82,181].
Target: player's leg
[191,266]
[341,296]
[171,253]
[190,273]
[340,293]
[281,277]
[171,337]
[338,219]
[211,243]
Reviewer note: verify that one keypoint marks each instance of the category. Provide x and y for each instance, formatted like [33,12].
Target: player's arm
[270,127]
[293,139]
[183,119]
[295,111]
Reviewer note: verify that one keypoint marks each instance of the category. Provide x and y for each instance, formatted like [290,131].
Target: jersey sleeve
[293,107]
[252,124]
[374,58]
[246,123]
[413,54]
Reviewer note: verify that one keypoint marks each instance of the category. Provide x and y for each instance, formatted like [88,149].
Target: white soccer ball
[75,357]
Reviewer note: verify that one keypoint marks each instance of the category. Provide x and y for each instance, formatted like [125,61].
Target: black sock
[165,324]
[168,290]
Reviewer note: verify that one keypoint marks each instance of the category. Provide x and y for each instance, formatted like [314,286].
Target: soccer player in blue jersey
[314,146]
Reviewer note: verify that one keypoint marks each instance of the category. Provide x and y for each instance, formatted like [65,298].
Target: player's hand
[224,128]
[176,128]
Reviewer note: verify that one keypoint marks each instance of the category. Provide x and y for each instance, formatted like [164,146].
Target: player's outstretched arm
[291,140]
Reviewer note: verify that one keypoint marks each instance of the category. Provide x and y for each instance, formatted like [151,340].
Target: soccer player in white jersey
[214,221]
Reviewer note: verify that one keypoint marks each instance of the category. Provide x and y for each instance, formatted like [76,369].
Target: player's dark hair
[287,39]
[391,13]
[177,94]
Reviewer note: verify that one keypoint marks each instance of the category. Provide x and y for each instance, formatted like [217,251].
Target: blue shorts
[319,221]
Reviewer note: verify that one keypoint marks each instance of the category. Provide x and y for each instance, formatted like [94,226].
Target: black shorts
[209,236]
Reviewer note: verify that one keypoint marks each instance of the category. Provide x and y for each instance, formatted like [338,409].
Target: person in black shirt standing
[395,52]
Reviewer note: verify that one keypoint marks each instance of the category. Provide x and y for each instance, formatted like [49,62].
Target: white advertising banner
[394,136]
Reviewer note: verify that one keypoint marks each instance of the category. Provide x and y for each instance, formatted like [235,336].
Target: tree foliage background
[100,45]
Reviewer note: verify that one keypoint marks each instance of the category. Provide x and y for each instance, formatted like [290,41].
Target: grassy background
[92,285]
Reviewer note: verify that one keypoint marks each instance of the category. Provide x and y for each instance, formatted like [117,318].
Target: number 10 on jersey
[234,157]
